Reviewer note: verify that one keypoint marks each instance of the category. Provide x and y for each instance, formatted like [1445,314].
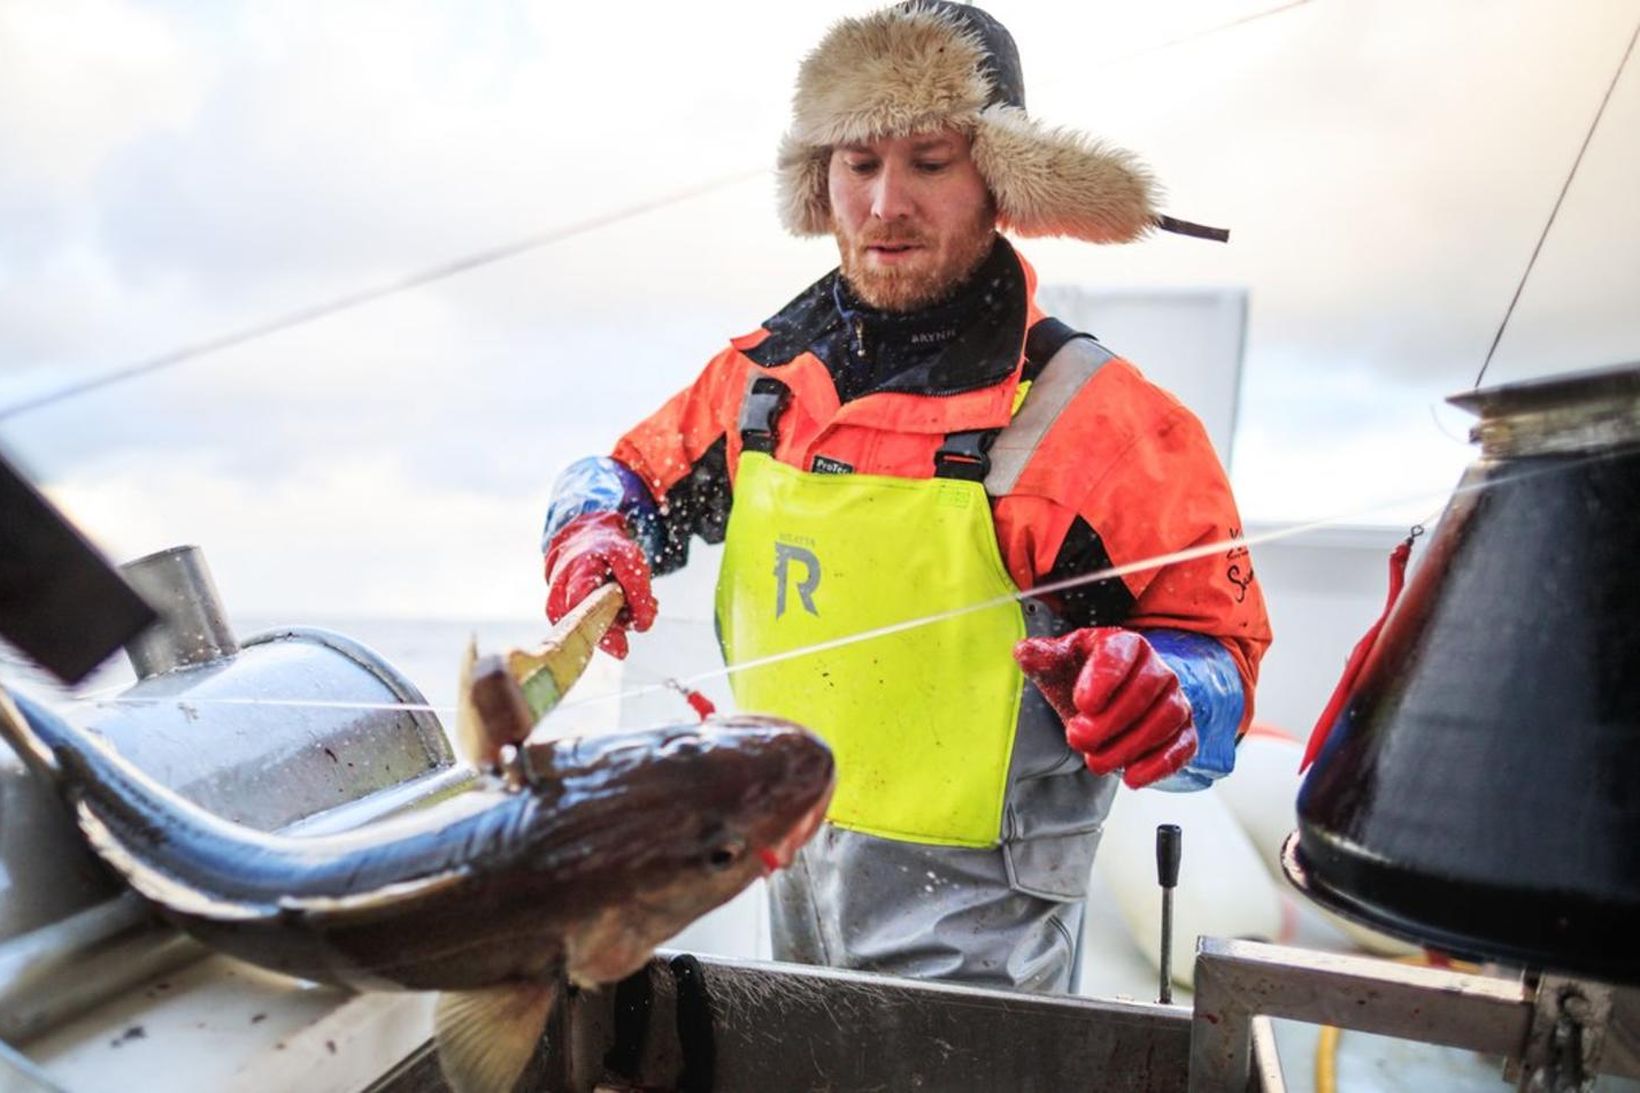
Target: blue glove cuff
[601,484]
[1208,676]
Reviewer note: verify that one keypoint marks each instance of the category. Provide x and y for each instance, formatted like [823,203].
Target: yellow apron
[922,720]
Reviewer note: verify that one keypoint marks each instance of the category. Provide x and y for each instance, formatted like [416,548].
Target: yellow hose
[1326,1060]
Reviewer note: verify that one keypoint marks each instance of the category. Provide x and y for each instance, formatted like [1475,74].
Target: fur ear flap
[1059,182]
[805,204]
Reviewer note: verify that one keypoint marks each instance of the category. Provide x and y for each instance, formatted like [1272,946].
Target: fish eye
[725,854]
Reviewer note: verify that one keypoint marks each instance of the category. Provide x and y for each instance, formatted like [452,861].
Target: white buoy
[1262,793]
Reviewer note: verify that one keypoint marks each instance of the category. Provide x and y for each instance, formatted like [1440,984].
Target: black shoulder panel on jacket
[697,505]
[1098,603]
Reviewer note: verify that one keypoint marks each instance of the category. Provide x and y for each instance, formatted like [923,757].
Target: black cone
[1481,790]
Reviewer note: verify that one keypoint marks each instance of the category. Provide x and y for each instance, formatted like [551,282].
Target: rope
[693,682]
[314,312]
[1564,188]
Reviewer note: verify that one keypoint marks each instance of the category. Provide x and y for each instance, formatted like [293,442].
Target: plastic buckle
[964,455]
[764,404]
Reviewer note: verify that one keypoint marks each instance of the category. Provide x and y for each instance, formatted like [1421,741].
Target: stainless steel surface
[1266,1059]
[38,967]
[786,1027]
[192,627]
[299,721]
[19,1075]
[1563,1048]
[63,970]
[1164,993]
[1622,1052]
[46,872]
[419,1073]
[1239,980]
[1169,854]
[1580,412]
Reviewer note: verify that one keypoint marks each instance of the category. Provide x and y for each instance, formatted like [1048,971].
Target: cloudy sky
[171,172]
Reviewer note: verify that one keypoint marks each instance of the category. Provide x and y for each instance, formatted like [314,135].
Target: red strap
[1358,657]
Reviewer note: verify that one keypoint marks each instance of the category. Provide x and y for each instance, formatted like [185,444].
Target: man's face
[912,217]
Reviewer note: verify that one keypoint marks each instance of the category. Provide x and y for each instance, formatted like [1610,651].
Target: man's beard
[893,289]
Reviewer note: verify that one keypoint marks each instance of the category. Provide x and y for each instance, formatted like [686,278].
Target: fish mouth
[782,853]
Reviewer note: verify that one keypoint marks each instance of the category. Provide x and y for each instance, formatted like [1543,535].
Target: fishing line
[1441,427]
[288,703]
[1210,31]
[671,684]
[501,253]
[1565,187]
[314,312]
[1206,550]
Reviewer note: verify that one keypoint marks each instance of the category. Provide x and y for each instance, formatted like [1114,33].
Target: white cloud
[81,78]
[354,534]
[168,175]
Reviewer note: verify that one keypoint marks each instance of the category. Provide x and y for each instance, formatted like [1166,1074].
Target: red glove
[1120,702]
[588,552]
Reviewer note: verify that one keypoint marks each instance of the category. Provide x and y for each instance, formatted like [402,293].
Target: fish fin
[485,1037]
[469,735]
[504,715]
[491,710]
[547,672]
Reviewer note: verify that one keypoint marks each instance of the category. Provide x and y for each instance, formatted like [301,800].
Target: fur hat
[933,64]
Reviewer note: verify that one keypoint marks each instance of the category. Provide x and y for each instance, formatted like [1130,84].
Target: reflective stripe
[1077,362]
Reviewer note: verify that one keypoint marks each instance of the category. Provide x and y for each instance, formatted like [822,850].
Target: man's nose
[891,197]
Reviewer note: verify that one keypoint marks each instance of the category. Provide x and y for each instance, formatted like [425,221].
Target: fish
[569,862]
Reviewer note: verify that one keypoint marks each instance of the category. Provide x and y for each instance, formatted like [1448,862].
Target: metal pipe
[1266,1059]
[193,628]
[1168,848]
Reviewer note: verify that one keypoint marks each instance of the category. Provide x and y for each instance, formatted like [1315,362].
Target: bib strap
[1073,364]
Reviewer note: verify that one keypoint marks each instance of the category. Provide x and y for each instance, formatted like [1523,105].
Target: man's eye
[862,166]
[932,166]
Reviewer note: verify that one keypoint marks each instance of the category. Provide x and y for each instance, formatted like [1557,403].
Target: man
[911,438]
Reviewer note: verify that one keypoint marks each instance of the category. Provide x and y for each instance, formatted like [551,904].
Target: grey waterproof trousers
[928,912]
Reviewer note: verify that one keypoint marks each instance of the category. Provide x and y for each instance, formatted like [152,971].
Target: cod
[569,862]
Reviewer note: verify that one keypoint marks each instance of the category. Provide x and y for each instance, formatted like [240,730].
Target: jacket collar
[970,342]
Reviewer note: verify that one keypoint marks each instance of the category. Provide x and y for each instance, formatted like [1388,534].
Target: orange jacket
[1127,473]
